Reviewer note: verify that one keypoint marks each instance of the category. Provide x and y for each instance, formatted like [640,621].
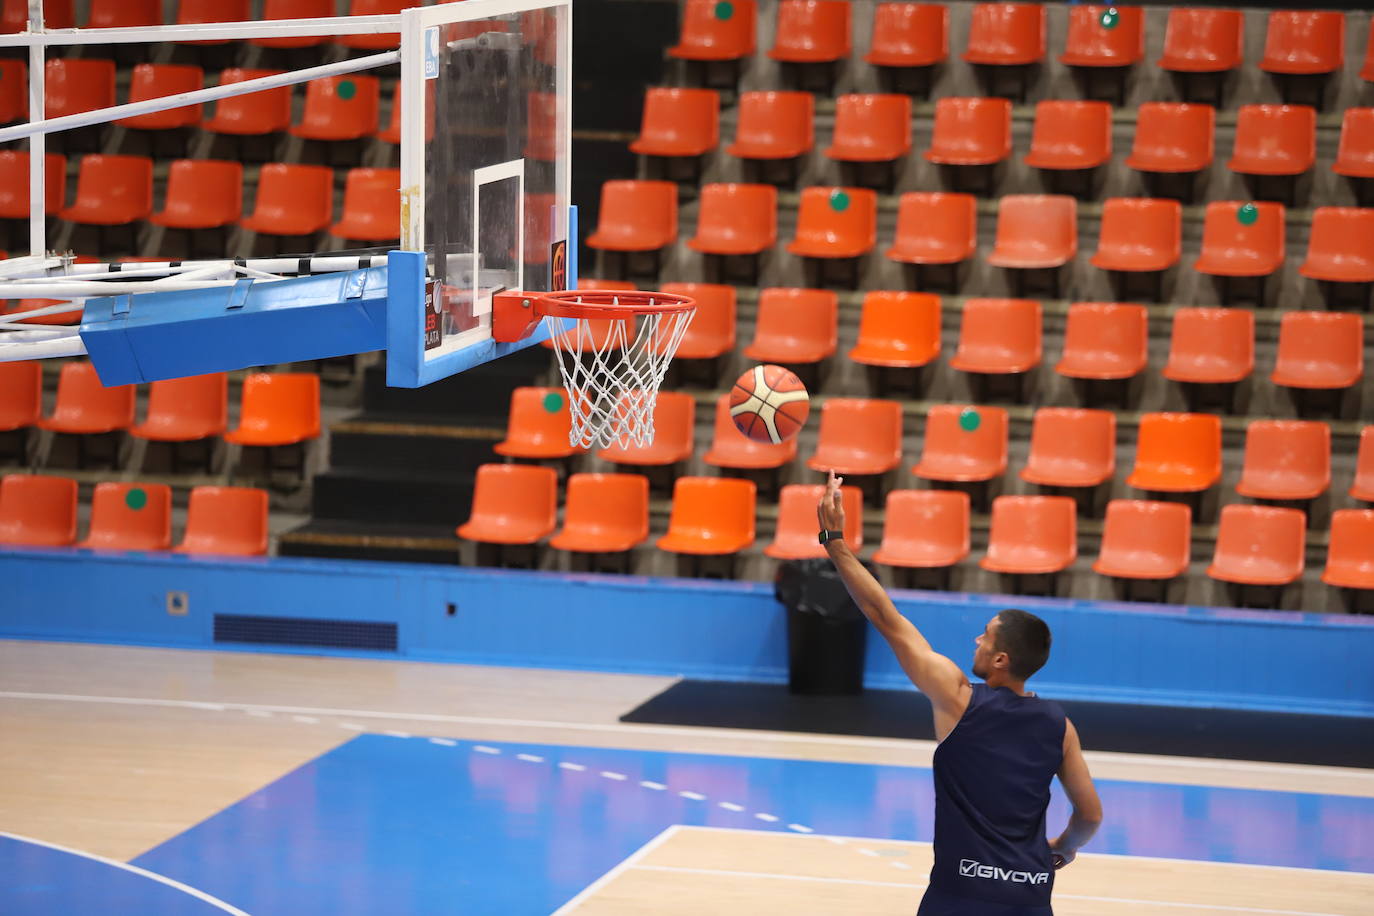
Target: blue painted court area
[392,825]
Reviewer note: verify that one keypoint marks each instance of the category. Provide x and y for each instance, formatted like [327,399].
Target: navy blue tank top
[992,786]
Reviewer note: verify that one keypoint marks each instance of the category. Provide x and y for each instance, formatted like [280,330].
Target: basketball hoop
[613,358]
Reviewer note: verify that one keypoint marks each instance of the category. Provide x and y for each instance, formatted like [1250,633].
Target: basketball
[769,404]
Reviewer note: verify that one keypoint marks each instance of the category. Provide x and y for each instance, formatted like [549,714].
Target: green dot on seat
[136,499]
[724,10]
[553,402]
[969,419]
[1247,214]
[839,201]
[1110,18]
[347,89]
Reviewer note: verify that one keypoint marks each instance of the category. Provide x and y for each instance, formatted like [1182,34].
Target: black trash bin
[826,632]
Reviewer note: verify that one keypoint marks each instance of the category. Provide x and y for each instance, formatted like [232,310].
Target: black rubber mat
[1177,731]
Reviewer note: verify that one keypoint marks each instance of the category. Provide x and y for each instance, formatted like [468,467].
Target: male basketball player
[1000,747]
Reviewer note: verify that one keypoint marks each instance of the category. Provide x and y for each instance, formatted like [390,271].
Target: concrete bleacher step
[410,445]
[442,498]
[377,541]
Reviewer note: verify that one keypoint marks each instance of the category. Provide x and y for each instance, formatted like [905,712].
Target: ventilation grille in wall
[301,631]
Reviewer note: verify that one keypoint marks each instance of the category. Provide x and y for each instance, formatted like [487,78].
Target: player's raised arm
[933,674]
[1087,807]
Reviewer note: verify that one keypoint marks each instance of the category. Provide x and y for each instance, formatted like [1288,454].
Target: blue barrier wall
[1315,663]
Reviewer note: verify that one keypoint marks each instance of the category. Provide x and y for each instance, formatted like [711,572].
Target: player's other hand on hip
[1061,855]
[830,512]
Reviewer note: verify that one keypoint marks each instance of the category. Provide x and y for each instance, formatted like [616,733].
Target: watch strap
[827,535]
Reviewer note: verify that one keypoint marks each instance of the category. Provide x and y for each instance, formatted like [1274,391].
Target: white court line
[591,889]
[133,869]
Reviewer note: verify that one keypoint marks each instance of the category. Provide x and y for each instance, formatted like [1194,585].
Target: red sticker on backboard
[559,260]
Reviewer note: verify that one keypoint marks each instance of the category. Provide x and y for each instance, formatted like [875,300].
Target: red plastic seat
[372,206]
[1319,350]
[202,194]
[1274,140]
[795,326]
[280,408]
[1006,34]
[512,504]
[1071,447]
[716,31]
[998,336]
[1035,231]
[37,511]
[964,444]
[21,394]
[130,516]
[898,329]
[340,108]
[76,85]
[295,9]
[858,436]
[871,128]
[909,35]
[1363,485]
[774,125]
[604,513]
[1231,248]
[710,516]
[14,91]
[1144,539]
[1032,535]
[924,529]
[380,41]
[1259,545]
[1211,346]
[1139,234]
[1350,549]
[1173,137]
[185,409]
[57,14]
[1203,40]
[836,223]
[112,191]
[934,227]
[1177,452]
[1340,246]
[292,200]
[226,521]
[153,81]
[636,216]
[730,448]
[14,184]
[712,331]
[795,536]
[1070,135]
[1355,155]
[538,426]
[266,111]
[1092,44]
[1304,41]
[970,131]
[1105,340]
[811,31]
[736,219]
[674,434]
[1286,459]
[86,407]
[678,122]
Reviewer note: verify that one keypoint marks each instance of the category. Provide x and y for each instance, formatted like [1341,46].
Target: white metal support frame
[505,171]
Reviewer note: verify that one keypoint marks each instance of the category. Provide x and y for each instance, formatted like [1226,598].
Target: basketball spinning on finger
[769,404]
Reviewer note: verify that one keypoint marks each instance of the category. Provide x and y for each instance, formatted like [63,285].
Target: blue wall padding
[155,336]
[1270,660]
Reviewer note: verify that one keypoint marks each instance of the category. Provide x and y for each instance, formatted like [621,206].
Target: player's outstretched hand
[830,512]
[1060,856]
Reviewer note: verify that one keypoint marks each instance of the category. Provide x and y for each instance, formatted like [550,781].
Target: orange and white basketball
[769,404]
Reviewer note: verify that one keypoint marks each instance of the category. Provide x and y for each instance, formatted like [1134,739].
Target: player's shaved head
[1026,640]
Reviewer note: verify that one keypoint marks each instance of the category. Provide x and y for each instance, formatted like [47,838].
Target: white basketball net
[612,371]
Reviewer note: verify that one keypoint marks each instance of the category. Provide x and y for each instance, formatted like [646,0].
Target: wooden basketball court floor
[274,783]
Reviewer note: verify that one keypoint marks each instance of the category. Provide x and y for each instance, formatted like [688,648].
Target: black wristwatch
[826,535]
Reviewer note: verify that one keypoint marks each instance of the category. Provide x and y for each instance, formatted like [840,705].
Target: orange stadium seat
[124,14]
[924,529]
[871,128]
[202,194]
[228,521]
[636,216]
[678,122]
[538,425]
[86,407]
[858,436]
[1350,549]
[715,31]
[382,40]
[153,81]
[1006,34]
[1145,539]
[909,35]
[730,448]
[1259,545]
[14,91]
[112,191]
[371,207]
[1070,135]
[1340,246]
[1071,447]
[195,12]
[1203,40]
[73,86]
[811,31]
[1319,350]
[1286,459]
[130,516]
[1105,340]
[1211,345]
[1363,485]
[1274,140]
[37,511]
[292,200]
[1231,248]
[964,444]
[1091,44]
[14,183]
[795,536]
[970,131]
[1139,234]
[267,111]
[774,125]
[604,513]
[1367,68]
[1035,231]
[998,336]
[934,227]
[836,223]
[340,108]
[295,9]
[1304,41]
[736,219]
[712,331]
[57,14]
[1173,137]
[185,409]
[1355,154]
[898,329]
[1177,452]
[674,434]
[21,394]
[795,326]
[710,516]
[1031,535]
[512,504]
[280,408]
